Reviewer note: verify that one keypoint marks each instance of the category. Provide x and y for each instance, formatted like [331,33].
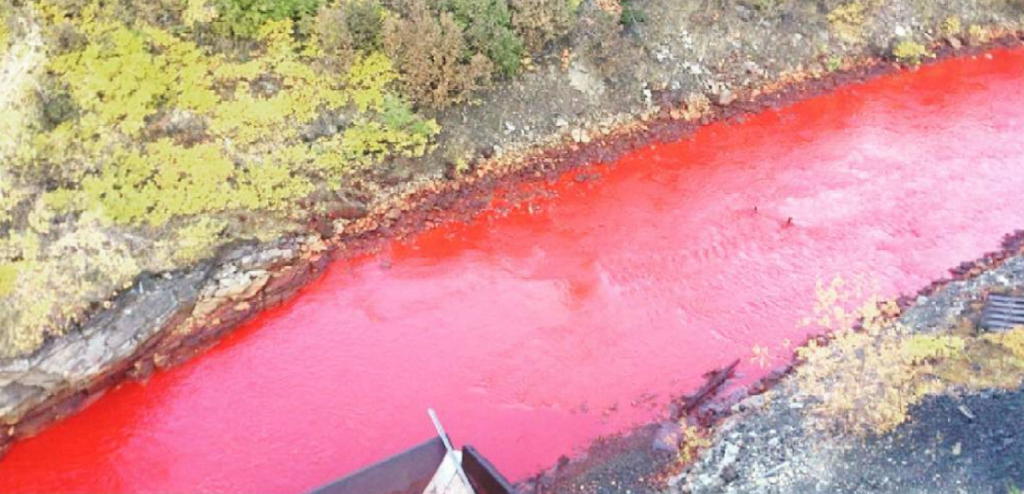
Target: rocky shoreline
[763,439]
[164,319]
[969,442]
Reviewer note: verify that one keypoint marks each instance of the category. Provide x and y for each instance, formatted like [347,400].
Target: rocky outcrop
[160,321]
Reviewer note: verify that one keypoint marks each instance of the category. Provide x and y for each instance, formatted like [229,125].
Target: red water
[534,333]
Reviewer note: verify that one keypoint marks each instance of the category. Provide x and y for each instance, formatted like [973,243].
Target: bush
[909,52]
[487,25]
[245,17]
[631,14]
[365,20]
[399,132]
[847,21]
[539,22]
[431,54]
[8,278]
[336,43]
[349,27]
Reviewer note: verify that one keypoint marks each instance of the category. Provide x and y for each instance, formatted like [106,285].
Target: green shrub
[349,27]
[631,14]
[365,20]
[245,17]
[487,25]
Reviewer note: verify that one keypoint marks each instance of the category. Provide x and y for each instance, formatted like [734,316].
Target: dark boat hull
[410,471]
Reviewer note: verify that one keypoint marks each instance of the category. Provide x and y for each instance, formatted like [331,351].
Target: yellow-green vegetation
[951,26]
[5,30]
[143,135]
[197,240]
[909,52]
[57,281]
[8,278]
[166,142]
[847,21]
[977,34]
[865,380]
[691,443]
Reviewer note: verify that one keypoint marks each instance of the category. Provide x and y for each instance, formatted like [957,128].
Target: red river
[578,315]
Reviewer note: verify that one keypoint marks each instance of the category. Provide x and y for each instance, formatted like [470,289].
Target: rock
[398,173]
[662,53]
[580,135]
[731,453]
[561,122]
[583,81]
[108,338]
[729,474]
[726,97]
[348,209]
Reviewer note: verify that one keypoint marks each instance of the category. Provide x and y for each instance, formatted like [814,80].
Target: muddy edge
[199,318]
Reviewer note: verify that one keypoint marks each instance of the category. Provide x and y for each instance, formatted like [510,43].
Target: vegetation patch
[142,136]
[872,369]
[847,21]
[910,52]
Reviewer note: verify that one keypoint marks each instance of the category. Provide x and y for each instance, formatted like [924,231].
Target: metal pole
[448,447]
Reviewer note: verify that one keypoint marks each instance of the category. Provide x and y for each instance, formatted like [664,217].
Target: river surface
[581,312]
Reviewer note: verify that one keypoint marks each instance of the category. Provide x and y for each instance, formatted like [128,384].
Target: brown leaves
[430,53]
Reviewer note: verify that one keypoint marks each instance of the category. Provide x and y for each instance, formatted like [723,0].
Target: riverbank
[966,440]
[165,318]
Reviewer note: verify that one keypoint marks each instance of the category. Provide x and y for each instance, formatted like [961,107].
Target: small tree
[246,17]
[431,54]
[349,28]
[488,29]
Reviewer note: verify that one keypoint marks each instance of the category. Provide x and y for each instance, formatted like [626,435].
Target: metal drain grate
[1002,312]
